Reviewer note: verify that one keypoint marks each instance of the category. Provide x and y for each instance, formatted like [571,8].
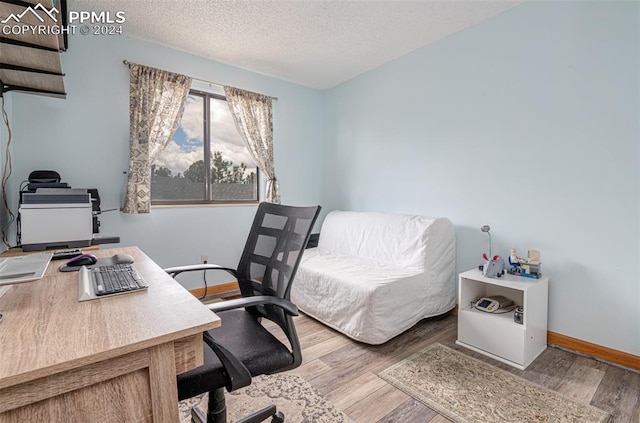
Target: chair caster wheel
[278,418]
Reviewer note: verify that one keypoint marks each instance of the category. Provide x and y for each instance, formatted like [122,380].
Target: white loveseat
[375,275]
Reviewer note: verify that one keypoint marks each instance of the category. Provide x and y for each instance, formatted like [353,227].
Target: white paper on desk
[25,268]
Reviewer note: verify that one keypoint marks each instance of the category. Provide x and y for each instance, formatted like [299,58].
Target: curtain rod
[126,62]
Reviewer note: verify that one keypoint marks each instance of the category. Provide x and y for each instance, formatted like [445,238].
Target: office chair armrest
[286,305]
[175,271]
[239,375]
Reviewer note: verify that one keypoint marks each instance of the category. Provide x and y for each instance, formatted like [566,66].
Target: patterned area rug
[291,394]
[467,390]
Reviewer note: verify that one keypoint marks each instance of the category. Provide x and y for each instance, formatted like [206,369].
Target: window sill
[190,205]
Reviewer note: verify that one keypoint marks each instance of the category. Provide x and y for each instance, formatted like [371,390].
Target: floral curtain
[156,104]
[252,113]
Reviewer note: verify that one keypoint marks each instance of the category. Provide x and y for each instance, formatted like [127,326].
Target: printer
[55,217]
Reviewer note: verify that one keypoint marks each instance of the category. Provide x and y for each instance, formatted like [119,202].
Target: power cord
[23,186]
[6,174]
[204,278]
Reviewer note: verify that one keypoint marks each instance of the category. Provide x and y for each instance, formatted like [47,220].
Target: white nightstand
[497,335]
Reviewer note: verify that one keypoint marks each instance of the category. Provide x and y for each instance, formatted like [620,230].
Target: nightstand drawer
[493,333]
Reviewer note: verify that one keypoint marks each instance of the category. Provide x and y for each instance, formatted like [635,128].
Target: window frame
[209,201]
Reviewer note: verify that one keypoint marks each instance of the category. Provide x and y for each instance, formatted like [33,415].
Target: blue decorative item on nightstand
[528,268]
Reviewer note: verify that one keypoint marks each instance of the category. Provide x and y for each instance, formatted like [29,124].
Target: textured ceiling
[315,43]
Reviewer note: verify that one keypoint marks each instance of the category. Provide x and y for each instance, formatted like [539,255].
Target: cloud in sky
[225,136]
[177,160]
[187,145]
[191,122]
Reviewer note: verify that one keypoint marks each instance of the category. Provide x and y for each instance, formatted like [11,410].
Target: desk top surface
[46,329]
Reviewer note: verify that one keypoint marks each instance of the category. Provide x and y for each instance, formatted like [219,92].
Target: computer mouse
[122,258]
[83,260]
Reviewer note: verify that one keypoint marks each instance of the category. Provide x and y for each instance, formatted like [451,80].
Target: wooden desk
[111,359]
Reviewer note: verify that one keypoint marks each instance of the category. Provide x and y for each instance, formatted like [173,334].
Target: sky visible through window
[187,146]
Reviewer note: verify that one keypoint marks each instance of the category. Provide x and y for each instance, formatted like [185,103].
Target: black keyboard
[116,279]
[66,254]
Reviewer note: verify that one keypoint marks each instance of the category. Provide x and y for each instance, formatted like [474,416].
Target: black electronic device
[43,179]
[313,241]
[66,254]
[35,185]
[95,208]
[83,260]
[44,176]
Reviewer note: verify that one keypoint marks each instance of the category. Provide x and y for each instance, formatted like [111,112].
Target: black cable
[6,174]
[206,286]
[23,185]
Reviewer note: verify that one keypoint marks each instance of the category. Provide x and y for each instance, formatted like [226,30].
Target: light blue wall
[527,122]
[86,138]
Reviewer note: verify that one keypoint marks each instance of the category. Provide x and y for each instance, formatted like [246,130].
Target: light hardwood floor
[345,372]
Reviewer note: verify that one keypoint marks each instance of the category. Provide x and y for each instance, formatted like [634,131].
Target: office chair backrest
[273,251]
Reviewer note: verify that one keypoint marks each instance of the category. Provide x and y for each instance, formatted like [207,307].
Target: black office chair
[242,347]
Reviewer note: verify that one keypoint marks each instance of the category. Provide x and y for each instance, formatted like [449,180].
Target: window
[206,161]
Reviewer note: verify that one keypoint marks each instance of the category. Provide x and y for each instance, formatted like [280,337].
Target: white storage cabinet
[498,335]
